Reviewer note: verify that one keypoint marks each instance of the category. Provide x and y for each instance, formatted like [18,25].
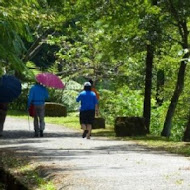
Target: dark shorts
[87,117]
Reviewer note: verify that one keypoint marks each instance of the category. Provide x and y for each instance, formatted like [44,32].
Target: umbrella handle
[28,121]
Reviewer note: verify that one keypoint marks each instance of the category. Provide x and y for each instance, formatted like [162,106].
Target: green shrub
[158,115]
[66,96]
[179,120]
[21,102]
[123,102]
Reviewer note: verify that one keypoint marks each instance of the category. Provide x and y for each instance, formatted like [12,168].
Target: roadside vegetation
[27,172]
[137,53]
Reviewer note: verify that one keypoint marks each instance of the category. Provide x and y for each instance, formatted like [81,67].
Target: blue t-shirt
[88,100]
[37,95]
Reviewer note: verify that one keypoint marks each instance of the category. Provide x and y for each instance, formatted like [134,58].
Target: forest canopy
[137,52]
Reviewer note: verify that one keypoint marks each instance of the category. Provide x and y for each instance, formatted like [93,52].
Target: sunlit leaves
[22,21]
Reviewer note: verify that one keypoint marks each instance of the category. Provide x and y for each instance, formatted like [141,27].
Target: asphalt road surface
[96,164]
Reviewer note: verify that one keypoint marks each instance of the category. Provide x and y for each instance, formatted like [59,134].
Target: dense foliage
[111,42]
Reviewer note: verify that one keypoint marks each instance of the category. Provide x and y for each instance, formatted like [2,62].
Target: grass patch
[162,143]
[18,114]
[25,171]
[71,121]
[108,132]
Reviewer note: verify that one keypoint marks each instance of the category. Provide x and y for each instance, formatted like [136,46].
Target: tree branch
[35,46]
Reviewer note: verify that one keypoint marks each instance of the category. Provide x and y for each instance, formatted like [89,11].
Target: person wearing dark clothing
[3,113]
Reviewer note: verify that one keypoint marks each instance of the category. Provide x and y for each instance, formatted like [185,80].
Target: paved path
[97,163]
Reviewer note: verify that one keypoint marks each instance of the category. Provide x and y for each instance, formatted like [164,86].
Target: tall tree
[180,13]
[153,39]
[118,22]
[148,86]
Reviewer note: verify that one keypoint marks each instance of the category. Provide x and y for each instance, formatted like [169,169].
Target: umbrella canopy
[10,88]
[50,80]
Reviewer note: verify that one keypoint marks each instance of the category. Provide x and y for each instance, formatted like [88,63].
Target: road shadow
[23,134]
[60,153]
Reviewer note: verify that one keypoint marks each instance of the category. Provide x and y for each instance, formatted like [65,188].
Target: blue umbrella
[10,88]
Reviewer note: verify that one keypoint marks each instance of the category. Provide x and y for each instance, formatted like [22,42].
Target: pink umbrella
[50,80]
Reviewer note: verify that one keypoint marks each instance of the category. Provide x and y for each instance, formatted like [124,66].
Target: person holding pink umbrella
[50,80]
[37,96]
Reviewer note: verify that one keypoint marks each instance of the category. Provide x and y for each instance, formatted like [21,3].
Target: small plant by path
[24,170]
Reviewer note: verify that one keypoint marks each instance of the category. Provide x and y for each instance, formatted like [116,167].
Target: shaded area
[23,134]
[23,143]
[9,182]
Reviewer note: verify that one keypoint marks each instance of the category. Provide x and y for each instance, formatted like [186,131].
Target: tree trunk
[160,84]
[148,82]
[179,88]
[186,136]
[183,31]
[148,87]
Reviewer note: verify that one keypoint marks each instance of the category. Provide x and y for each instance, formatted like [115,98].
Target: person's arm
[96,110]
[96,106]
[78,99]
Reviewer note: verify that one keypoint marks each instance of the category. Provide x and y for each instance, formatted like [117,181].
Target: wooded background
[137,52]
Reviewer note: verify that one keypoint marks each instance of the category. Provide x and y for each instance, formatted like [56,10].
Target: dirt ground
[99,163]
